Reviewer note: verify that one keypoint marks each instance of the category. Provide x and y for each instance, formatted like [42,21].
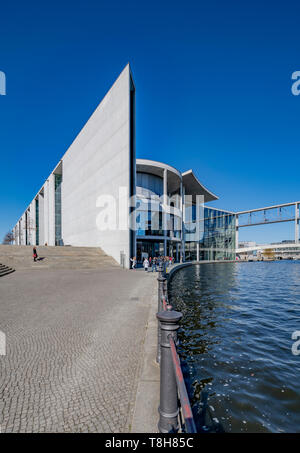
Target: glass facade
[147,185]
[210,233]
[147,248]
[149,212]
[150,219]
[58,180]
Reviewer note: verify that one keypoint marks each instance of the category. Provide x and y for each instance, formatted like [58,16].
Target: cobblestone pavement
[74,342]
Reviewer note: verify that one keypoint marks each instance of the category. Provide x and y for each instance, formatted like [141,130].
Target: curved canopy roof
[194,187]
[191,183]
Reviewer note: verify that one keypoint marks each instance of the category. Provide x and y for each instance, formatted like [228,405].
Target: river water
[236,342]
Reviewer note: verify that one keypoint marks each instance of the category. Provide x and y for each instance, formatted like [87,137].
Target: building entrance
[145,249]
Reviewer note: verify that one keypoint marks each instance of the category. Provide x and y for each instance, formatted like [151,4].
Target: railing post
[161,286]
[161,281]
[168,408]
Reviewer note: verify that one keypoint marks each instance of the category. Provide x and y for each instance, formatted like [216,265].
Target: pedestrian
[133,260]
[154,264]
[146,264]
[34,253]
[166,262]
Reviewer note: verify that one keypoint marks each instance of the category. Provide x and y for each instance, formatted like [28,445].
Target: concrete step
[22,250]
[20,257]
[5,270]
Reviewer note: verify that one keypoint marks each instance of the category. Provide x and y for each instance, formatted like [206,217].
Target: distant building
[245,244]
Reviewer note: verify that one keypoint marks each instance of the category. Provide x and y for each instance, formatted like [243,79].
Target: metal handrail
[175,408]
[188,417]
[187,413]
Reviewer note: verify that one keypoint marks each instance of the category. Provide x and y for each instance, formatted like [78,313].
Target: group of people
[153,263]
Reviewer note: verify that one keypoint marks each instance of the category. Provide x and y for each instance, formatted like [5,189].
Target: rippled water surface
[236,340]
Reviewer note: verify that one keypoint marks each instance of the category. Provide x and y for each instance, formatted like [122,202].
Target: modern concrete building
[100,195]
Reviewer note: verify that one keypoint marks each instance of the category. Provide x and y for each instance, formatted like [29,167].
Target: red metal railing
[186,409]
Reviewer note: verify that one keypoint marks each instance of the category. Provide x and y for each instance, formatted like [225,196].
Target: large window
[148,218]
[214,230]
[147,185]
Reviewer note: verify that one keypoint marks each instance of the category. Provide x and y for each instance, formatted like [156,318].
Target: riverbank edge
[177,267]
[145,413]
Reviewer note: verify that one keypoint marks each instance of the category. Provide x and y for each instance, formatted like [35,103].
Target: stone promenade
[74,348]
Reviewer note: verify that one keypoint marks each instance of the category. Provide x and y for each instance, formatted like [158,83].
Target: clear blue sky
[213,86]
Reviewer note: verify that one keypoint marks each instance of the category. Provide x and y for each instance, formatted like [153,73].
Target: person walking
[133,260]
[146,264]
[34,253]
[154,264]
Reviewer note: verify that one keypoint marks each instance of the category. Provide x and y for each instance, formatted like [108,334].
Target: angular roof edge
[194,187]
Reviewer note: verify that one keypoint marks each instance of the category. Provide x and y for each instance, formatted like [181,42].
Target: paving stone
[74,348]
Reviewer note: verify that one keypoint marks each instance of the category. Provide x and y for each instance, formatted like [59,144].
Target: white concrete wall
[19,233]
[41,220]
[46,212]
[16,235]
[32,224]
[98,163]
[22,230]
[51,210]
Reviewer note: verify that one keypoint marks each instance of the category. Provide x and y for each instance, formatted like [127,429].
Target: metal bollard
[166,287]
[161,281]
[168,408]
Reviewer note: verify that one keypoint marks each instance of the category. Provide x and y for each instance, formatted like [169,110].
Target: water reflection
[236,342]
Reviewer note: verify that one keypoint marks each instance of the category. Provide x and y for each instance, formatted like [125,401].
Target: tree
[269,254]
[8,238]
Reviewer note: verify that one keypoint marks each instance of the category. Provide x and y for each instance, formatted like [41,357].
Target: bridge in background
[287,212]
[285,246]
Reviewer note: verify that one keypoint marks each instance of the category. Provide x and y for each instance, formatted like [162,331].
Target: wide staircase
[19,257]
[5,270]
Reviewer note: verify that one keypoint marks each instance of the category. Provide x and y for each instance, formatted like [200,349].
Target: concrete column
[22,230]
[182,252]
[41,220]
[51,210]
[165,201]
[19,233]
[32,223]
[197,227]
[237,232]
[46,213]
[15,231]
[165,247]
[296,223]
